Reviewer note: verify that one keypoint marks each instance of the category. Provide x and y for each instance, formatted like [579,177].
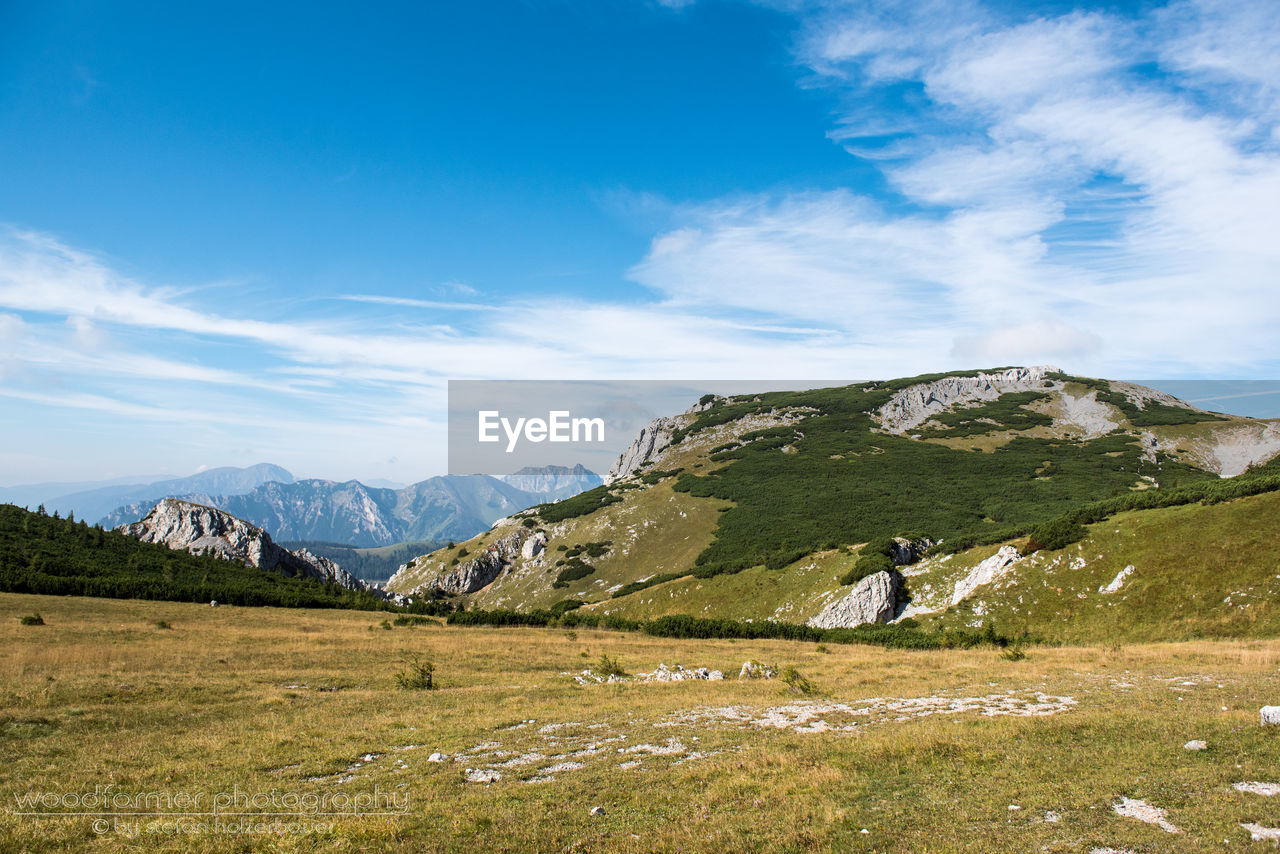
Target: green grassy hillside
[759,506]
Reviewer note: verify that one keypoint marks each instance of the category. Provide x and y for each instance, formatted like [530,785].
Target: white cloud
[1063,199]
[1089,189]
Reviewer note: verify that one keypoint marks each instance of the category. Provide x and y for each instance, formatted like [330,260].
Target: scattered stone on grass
[1256,788]
[1143,811]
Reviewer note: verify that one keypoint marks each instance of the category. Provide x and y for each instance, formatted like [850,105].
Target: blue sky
[245,232]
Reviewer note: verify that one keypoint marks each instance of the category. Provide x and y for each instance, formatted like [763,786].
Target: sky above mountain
[237,232]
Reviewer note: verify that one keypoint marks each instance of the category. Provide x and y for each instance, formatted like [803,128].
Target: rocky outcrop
[986,572]
[874,599]
[652,439]
[907,552]
[203,530]
[755,670]
[1085,415]
[472,575]
[679,674]
[915,405]
[534,546]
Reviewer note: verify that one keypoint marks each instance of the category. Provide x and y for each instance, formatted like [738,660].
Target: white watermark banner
[524,427]
[509,427]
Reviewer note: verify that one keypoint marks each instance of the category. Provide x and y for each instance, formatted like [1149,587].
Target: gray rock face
[534,546]
[204,530]
[986,572]
[756,670]
[872,600]
[907,552]
[653,438]
[913,406]
[471,575]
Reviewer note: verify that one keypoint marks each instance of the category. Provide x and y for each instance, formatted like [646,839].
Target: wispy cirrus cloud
[1084,186]
[1087,188]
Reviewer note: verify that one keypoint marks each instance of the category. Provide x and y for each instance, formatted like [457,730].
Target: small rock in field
[1270,715]
[1258,833]
[1143,811]
[1196,744]
[1255,788]
[437,757]
[597,811]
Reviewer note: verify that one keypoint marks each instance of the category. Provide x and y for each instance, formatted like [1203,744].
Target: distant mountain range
[93,501]
[436,509]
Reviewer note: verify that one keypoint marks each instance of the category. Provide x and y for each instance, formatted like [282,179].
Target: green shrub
[796,683]
[163,624]
[33,620]
[637,586]
[574,570]
[413,620]
[876,556]
[1056,534]
[579,505]
[418,675]
[607,667]
[1013,653]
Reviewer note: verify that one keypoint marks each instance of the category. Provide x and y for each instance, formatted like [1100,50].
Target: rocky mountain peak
[913,406]
[199,529]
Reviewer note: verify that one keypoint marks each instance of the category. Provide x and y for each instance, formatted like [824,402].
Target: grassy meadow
[174,697]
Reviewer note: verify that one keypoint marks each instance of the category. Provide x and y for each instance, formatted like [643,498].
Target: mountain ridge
[762,486]
[447,507]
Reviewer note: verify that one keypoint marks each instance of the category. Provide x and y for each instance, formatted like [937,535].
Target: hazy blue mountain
[554,482]
[95,503]
[452,507]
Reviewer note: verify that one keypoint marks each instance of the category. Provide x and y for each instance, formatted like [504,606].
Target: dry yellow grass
[267,699]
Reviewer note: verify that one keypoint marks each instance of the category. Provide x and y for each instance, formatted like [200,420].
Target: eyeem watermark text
[558,426]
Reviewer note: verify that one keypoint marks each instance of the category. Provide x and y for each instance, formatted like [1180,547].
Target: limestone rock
[534,546]
[907,552]
[991,569]
[872,600]
[756,670]
[1118,581]
[679,674]
[1196,744]
[471,575]
[652,439]
[203,530]
[1271,715]
[913,406]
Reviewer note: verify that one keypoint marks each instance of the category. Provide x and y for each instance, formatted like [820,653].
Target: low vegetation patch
[579,505]
[418,675]
[896,636]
